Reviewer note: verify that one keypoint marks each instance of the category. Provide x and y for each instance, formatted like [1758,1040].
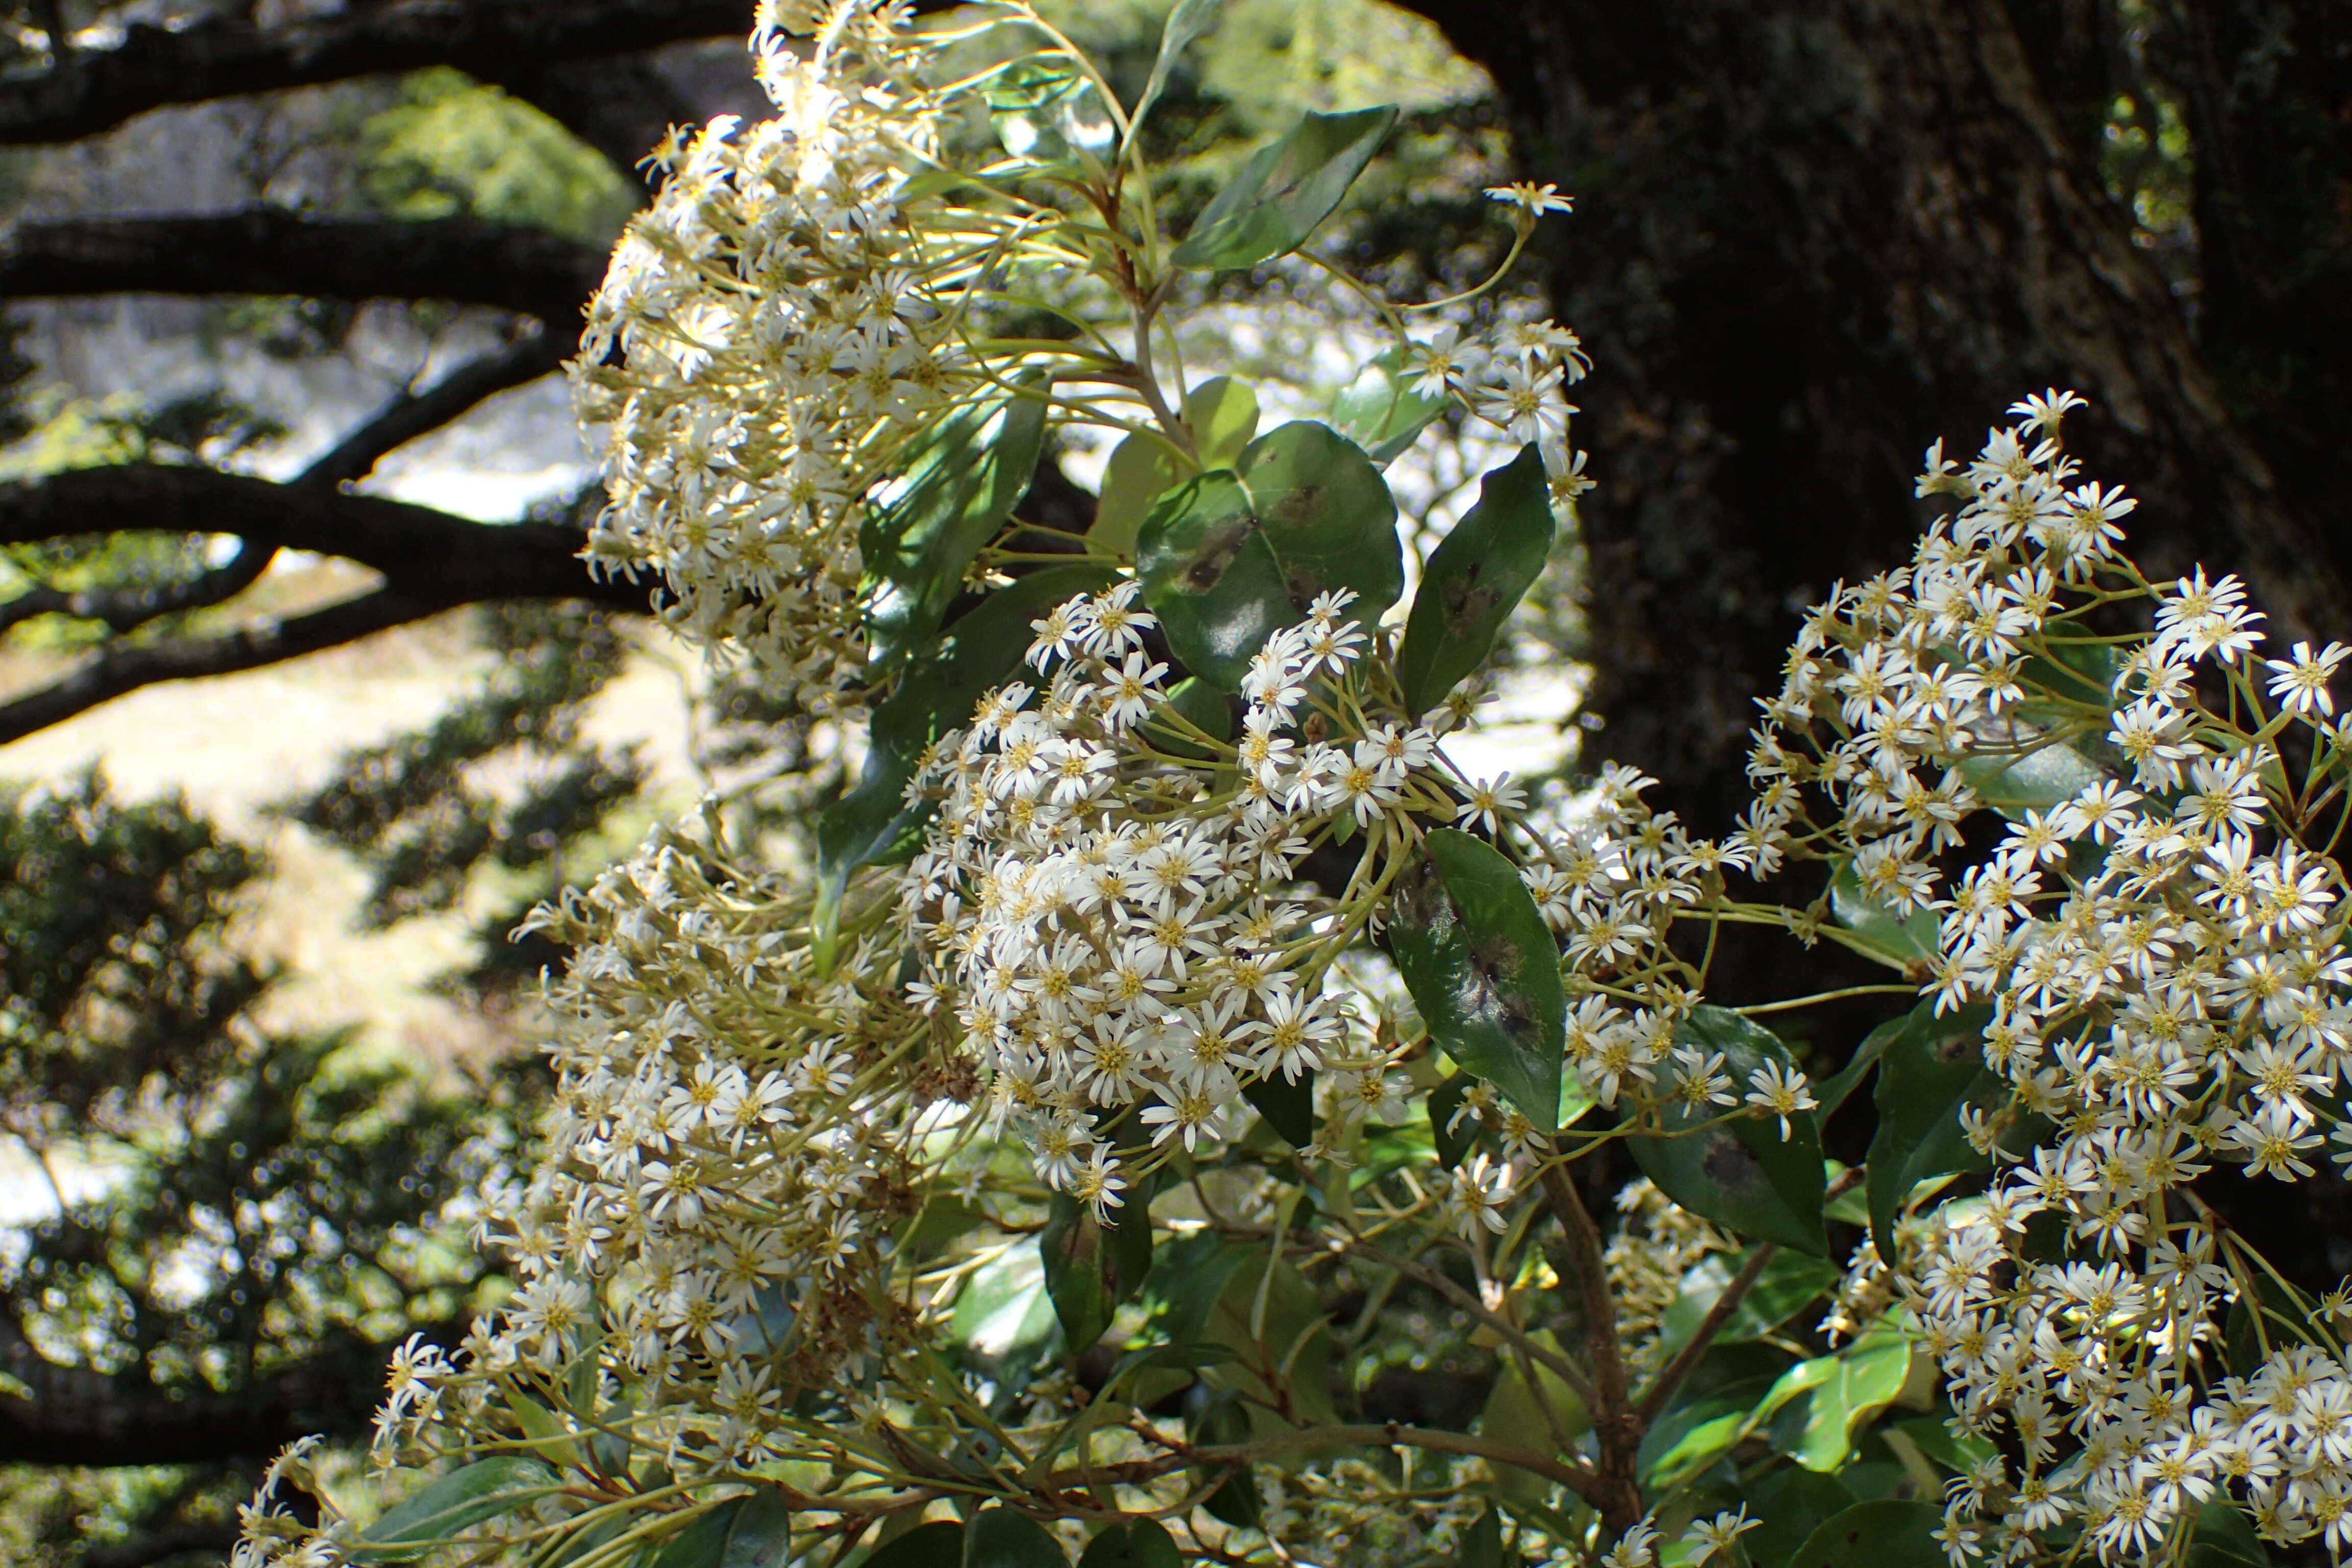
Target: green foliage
[1474,579]
[454,146]
[1740,1172]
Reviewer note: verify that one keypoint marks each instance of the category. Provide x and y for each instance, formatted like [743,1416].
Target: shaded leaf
[456,1503]
[1004,1304]
[1483,970]
[1230,557]
[1515,1414]
[1285,191]
[1790,1282]
[1132,1543]
[1476,576]
[1281,1343]
[1186,23]
[1443,1101]
[1287,1106]
[1214,1419]
[750,1531]
[1742,1174]
[1790,1502]
[1692,1435]
[939,1544]
[961,484]
[1931,1067]
[1884,1533]
[1192,701]
[1002,1538]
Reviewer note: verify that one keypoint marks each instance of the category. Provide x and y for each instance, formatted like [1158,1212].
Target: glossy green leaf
[1814,1411]
[1132,1543]
[1884,1533]
[1483,970]
[939,1544]
[1222,414]
[750,1531]
[1140,471]
[1378,410]
[1091,1267]
[1931,1067]
[1904,941]
[1230,557]
[1048,111]
[1743,1174]
[1186,23]
[1002,1538]
[456,1503]
[1288,1105]
[1841,1087]
[2224,1538]
[1285,191]
[1476,576]
[1690,1436]
[1790,1282]
[960,486]
[935,693]
[1482,1546]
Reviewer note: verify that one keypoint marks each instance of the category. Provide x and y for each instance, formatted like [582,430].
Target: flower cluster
[770,332]
[1107,901]
[2152,955]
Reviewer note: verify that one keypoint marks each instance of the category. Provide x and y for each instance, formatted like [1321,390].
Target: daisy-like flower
[1487,802]
[1531,199]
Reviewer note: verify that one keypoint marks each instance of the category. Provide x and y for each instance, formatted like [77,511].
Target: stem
[1709,1326]
[1614,1422]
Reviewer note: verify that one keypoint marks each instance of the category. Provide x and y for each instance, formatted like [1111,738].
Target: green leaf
[750,1531]
[1285,191]
[1288,1107]
[939,1544]
[1482,1547]
[1186,23]
[961,482]
[1838,1089]
[1790,1282]
[1884,1533]
[1476,576]
[1231,556]
[1215,1419]
[2224,1538]
[936,693]
[1690,1436]
[1001,1537]
[1281,1342]
[2013,786]
[1140,471]
[1004,1304]
[1222,414]
[1378,410]
[1091,1267]
[1515,1414]
[1742,1174]
[1902,940]
[457,1502]
[1191,702]
[1132,1543]
[1443,1101]
[1790,1502]
[1814,1410]
[1483,970]
[1930,1068]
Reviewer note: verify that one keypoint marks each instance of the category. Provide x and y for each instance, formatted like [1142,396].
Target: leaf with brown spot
[1477,578]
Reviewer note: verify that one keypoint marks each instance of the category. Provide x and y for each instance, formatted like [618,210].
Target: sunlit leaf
[1231,556]
[1813,1412]
[1378,410]
[456,1503]
[1285,191]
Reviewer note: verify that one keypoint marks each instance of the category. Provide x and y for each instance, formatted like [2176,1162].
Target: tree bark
[223,56]
[1810,237]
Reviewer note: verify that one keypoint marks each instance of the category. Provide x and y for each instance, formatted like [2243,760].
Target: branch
[430,562]
[415,413]
[269,251]
[1617,1495]
[224,56]
[1654,1403]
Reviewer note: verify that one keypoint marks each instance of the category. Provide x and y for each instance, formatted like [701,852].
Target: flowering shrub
[1163,1049]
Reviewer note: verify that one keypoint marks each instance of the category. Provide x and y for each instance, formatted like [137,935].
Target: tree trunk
[1810,237]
